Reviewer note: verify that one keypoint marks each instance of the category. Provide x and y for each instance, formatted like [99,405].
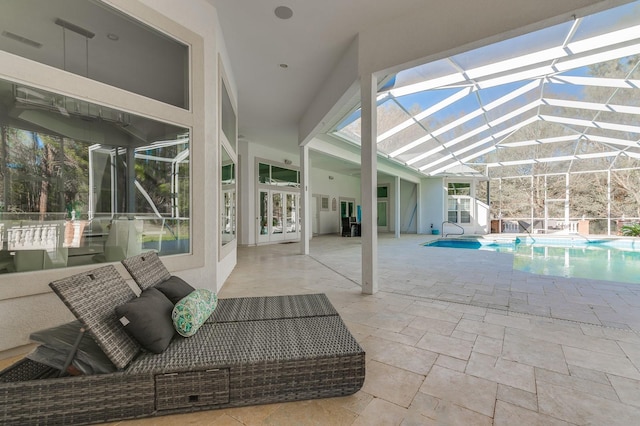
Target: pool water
[608,260]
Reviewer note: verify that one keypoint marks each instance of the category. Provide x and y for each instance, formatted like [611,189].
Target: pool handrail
[449,233]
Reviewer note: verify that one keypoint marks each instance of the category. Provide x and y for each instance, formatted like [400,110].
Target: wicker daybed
[253,350]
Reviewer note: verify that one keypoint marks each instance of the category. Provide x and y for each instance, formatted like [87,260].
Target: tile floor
[454,338]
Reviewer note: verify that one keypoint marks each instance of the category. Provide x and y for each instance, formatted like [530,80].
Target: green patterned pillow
[193,310]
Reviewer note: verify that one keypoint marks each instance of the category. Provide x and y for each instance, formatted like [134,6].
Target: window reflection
[81,183]
[228,207]
[91,39]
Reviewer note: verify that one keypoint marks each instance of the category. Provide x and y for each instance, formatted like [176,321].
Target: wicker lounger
[251,351]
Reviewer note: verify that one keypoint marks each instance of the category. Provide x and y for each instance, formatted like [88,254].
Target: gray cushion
[175,289]
[57,342]
[146,269]
[148,320]
[92,297]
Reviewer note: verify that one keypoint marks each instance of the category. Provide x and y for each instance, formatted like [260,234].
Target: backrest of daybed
[92,296]
[146,269]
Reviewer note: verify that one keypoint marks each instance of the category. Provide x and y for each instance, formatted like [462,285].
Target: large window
[228,143]
[82,183]
[90,39]
[459,203]
[279,176]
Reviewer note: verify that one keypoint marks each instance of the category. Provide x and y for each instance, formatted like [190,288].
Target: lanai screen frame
[473,108]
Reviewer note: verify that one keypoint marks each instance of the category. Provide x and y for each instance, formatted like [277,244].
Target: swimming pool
[600,259]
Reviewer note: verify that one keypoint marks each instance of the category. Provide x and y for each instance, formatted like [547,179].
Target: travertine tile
[628,390]
[392,384]
[508,415]
[509,321]
[587,374]
[433,325]
[395,322]
[251,415]
[503,371]
[481,328]
[312,412]
[470,392]
[448,413]
[631,350]
[618,365]
[405,337]
[451,346]
[519,347]
[488,346]
[463,335]
[582,408]
[451,363]
[380,413]
[602,390]
[519,397]
[398,355]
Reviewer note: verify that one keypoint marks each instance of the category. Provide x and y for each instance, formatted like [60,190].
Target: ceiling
[314,39]
[561,99]
[271,99]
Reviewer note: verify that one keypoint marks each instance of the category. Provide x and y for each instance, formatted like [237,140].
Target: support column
[131,181]
[567,194]
[368,184]
[396,181]
[305,232]
[609,202]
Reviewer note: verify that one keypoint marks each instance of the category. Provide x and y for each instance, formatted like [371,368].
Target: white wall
[408,207]
[408,204]
[341,186]
[432,197]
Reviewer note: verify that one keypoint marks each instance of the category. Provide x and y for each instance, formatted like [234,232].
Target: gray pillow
[148,320]
[175,289]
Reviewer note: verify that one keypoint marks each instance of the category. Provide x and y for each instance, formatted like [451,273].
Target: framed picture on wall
[333,205]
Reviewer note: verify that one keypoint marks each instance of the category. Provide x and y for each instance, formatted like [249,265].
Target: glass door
[382,216]
[292,228]
[277,216]
[263,219]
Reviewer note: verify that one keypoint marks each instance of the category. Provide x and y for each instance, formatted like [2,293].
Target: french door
[279,218]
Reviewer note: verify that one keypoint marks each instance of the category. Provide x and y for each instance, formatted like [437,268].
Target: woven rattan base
[225,364]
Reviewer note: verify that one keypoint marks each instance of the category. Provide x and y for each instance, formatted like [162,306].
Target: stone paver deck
[454,339]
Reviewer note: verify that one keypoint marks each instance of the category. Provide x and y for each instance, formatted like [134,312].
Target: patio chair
[250,351]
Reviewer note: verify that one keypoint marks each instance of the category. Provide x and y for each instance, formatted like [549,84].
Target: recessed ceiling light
[283,66]
[113,37]
[283,12]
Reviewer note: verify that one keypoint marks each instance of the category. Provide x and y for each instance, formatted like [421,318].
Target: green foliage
[632,230]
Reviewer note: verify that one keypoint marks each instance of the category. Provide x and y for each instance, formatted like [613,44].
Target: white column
[305,233]
[396,181]
[567,194]
[368,184]
[608,202]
